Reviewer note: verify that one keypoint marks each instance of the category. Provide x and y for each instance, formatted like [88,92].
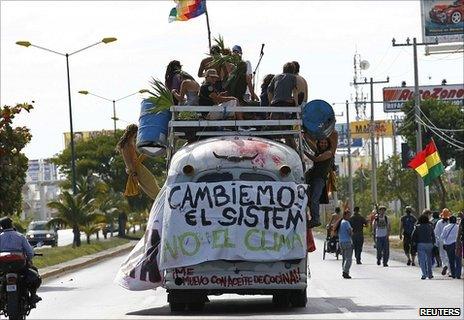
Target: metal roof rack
[202,128]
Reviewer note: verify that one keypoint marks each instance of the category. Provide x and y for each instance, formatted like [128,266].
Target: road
[375,292]
[65,237]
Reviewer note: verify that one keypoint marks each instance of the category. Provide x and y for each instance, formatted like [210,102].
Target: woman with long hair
[263,97]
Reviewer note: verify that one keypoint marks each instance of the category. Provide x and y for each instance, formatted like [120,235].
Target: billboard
[361,129]
[394,98]
[84,135]
[342,130]
[442,20]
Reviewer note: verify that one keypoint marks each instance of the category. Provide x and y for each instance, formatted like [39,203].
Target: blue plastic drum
[318,119]
[153,130]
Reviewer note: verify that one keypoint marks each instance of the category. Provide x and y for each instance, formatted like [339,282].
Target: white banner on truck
[233,220]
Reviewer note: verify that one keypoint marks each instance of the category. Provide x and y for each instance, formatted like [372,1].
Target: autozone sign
[394,98]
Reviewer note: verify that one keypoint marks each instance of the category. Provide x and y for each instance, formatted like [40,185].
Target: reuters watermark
[439,312]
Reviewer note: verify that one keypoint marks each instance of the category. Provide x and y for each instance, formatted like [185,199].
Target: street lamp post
[67,55]
[114,118]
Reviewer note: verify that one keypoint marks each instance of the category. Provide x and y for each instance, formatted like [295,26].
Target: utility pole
[350,175]
[414,44]
[372,136]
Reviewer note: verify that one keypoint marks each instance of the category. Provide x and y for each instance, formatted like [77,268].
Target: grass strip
[56,255]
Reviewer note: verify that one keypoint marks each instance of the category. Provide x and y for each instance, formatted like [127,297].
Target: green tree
[396,183]
[13,163]
[441,115]
[74,212]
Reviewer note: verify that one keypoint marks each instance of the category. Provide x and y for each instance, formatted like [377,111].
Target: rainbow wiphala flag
[187,9]
[427,163]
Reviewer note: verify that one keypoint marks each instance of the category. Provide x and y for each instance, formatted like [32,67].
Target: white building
[42,186]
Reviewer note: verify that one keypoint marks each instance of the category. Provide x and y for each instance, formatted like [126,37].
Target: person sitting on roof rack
[189,88]
[209,96]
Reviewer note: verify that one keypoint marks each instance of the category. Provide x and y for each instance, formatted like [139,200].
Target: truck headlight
[31,236]
[48,235]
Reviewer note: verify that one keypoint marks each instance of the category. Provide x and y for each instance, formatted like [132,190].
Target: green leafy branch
[161,98]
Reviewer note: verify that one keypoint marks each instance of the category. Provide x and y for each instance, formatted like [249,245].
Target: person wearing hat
[407,223]
[210,96]
[449,236]
[12,241]
[381,229]
[441,224]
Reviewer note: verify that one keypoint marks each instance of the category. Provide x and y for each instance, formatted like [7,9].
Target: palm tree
[111,205]
[72,211]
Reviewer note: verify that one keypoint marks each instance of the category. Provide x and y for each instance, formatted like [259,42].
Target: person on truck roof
[188,92]
[301,85]
[206,64]
[210,96]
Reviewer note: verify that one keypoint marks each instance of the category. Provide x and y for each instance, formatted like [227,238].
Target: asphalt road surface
[375,292]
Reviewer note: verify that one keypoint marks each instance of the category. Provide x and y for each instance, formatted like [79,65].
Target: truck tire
[177,306]
[299,299]
[196,306]
[281,300]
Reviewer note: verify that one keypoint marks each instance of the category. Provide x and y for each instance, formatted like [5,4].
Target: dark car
[40,232]
[448,13]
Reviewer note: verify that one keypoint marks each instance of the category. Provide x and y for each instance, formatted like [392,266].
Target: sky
[322,35]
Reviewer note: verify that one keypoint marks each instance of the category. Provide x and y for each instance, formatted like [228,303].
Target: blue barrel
[153,130]
[318,119]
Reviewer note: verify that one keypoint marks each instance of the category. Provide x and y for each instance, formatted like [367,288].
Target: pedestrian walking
[445,214]
[407,223]
[345,231]
[423,237]
[449,236]
[358,222]
[435,251]
[381,228]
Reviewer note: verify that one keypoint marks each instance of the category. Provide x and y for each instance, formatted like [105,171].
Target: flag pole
[207,25]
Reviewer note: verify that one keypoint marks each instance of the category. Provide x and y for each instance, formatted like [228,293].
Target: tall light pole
[350,175]
[114,118]
[372,136]
[67,55]
[414,44]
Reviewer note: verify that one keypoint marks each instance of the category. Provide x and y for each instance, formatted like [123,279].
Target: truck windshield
[38,226]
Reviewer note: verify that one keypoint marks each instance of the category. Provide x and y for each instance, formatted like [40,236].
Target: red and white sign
[394,98]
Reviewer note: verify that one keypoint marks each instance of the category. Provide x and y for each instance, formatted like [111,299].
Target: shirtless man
[301,85]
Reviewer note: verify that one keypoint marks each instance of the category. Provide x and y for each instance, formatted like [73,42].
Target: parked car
[38,231]
[448,13]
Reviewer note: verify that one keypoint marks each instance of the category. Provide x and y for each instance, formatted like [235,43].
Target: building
[42,186]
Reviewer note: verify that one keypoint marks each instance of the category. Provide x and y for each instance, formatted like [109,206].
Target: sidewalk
[85,261]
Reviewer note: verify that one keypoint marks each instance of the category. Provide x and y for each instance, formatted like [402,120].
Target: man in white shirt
[250,93]
[445,214]
[449,236]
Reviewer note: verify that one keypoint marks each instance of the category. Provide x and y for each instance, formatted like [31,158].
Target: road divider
[85,261]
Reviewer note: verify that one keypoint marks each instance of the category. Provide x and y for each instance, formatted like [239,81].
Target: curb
[85,261]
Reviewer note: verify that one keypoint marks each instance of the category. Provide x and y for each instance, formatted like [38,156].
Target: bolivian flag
[427,163]
[187,9]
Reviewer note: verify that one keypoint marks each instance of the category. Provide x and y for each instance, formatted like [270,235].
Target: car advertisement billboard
[442,20]
[394,98]
[361,129]
[342,130]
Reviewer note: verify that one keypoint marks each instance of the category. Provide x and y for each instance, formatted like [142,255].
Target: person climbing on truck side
[316,177]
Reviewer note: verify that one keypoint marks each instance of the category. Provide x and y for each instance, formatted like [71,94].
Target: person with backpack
[381,229]
[449,236]
[407,223]
[423,237]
